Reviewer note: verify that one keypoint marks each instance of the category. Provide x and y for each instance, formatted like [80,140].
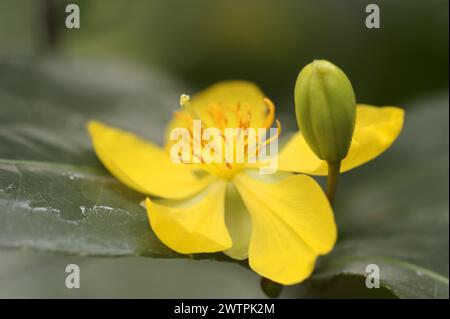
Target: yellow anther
[184,98]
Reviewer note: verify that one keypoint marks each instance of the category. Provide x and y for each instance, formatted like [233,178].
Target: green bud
[325,106]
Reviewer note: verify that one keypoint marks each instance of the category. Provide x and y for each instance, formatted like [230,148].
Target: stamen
[271,115]
[184,98]
[185,103]
[245,122]
[273,138]
[218,116]
[270,139]
[221,116]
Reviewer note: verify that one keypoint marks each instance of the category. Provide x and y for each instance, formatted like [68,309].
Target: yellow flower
[376,128]
[280,222]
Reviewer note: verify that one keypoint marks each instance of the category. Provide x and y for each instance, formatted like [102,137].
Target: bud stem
[332,179]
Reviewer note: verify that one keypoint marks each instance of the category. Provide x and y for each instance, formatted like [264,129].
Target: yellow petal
[292,223]
[238,223]
[375,130]
[142,165]
[191,226]
[237,217]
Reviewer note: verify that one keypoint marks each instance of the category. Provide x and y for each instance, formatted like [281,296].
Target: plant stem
[332,179]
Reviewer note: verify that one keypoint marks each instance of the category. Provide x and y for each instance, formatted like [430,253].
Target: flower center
[221,138]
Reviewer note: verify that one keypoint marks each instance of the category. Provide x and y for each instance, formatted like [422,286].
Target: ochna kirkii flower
[281,222]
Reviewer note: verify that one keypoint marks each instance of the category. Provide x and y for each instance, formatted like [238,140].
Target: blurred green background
[195,43]
[264,41]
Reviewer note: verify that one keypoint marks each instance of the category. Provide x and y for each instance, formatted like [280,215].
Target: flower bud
[325,106]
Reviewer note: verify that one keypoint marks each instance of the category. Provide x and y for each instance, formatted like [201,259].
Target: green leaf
[70,209]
